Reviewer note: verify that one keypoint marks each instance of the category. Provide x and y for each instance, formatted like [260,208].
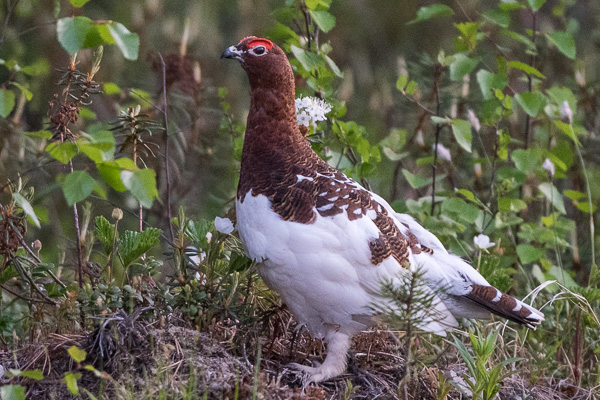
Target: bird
[325,243]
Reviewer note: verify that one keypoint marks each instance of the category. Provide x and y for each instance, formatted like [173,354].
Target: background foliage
[121,141]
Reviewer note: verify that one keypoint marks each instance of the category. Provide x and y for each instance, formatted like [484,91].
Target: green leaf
[511,205]
[334,68]
[567,129]
[564,42]
[498,17]
[35,374]
[461,66]
[71,381]
[563,277]
[39,68]
[489,82]
[411,88]
[93,370]
[76,33]
[110,172]
[528,254]
[111,88]
[40,134]
[77,186]
[536,4]
[530,102]
[27,208]
[126,41]
[462,132]
[561,94]
[62,152]
[77,354]
[574,194]
[528,69]
[105,233]
[98,145]
[134,244]
[364,149]
[141,184]
[552,194]
[519,38]
[314,4]
[586,207]
[432,11]
[468,195]
[56,8]
[401,82]
[440,120]
[526,161]
[469,36]
[310,61]
[12,392]
[78,3]
[324,20]
[415,181]
[463,210]
[24,90]
[7,102]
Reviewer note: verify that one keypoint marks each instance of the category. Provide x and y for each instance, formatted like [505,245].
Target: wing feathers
[505,305]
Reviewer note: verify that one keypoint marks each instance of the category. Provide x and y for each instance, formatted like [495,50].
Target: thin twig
[166,141]
[438,129]
[35,257]
[9,9]
[23,297]
[530,81]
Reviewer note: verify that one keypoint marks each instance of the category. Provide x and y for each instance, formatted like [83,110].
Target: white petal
[443,152]
[566,112]
[549,166]
[223,225]
[482,241]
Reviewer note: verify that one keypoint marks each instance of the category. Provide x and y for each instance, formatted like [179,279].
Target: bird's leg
[335,362]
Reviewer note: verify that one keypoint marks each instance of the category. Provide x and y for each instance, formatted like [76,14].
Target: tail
[505,305]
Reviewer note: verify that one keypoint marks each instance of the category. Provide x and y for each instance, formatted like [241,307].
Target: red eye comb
[260,42]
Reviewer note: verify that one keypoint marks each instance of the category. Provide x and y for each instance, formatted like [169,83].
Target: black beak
[232,52]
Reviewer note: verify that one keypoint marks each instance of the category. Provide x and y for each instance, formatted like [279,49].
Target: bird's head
[265,63]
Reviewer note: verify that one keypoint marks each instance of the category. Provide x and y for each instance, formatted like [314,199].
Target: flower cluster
[311,110]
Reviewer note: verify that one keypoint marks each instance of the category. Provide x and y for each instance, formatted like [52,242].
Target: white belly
[319,269]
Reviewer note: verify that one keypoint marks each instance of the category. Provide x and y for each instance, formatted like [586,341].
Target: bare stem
[78,237]
[438,129]
[166,142]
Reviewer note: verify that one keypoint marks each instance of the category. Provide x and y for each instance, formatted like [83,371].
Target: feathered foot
[334,364]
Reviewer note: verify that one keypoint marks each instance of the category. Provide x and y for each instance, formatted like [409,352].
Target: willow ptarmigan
[325,243]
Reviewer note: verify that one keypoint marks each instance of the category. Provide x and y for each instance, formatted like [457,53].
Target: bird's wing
[404,243]
[469,293]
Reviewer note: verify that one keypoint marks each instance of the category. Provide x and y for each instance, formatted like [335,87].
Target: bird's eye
[259,50]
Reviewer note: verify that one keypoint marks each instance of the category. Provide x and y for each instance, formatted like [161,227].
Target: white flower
[224,225]
[482,241]
[208,237]
[311,110]
[303,119]
[477,169]
[566,112]
[473,120]
[443,152]
[197,276]
[420,139]
[549,166]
